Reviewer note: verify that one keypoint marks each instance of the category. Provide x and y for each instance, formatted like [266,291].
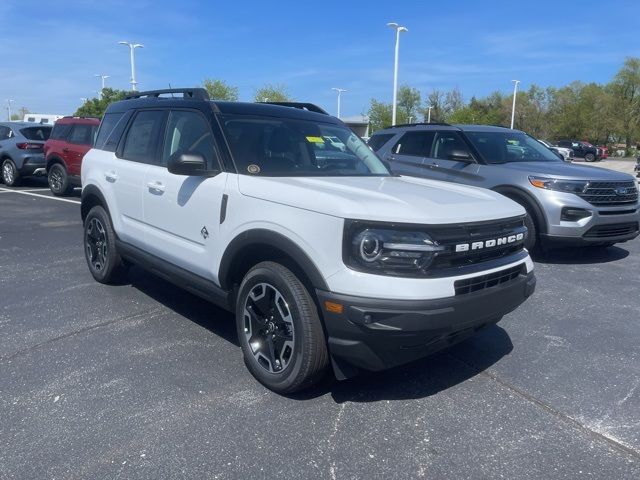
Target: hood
[567,170]
[389,199]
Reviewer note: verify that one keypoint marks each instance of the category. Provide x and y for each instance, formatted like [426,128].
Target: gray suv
[566,203]
[21,150]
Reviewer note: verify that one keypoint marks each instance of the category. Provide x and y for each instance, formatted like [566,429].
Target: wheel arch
[257,245]
[91,197]
[528,201]
[55,159]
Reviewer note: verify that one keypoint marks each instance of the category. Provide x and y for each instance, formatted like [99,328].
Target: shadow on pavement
[581,256]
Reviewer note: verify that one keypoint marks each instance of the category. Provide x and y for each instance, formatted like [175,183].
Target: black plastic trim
[273,239]
[540,217]
[191,282]
[223,208]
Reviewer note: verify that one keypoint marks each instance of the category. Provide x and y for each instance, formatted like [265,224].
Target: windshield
[36,133]
[270,146]
[504,147]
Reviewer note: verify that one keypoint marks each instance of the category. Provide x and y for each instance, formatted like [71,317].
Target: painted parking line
[23,192]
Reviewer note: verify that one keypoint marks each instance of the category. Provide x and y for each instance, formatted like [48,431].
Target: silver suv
[566,203]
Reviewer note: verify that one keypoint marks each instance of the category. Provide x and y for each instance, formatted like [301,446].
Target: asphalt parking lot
[143,380]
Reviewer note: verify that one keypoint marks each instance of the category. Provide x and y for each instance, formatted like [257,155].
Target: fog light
[574,214]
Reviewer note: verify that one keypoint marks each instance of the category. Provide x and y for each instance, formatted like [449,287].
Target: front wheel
[58,180]
[10,174]
[279,329]
[589,157]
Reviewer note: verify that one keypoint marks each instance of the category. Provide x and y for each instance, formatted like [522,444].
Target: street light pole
[340,91]
[132,47]
[103,77]
[513,107]
[9,109]
[429,115]
[399,29]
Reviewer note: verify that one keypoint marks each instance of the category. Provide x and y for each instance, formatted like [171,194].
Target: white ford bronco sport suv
[326,258]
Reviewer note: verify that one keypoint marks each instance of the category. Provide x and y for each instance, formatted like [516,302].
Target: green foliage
[220,90]
[408,102]
[380,115]
[95,107]
[273,93]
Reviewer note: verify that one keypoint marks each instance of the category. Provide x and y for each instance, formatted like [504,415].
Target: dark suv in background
[21,150]
[582,149]
[70,140]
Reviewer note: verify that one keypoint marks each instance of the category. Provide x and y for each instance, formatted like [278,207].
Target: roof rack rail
[300,105]
[442,124]
[193,93]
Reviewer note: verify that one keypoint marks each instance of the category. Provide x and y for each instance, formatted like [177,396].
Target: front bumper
[376,334]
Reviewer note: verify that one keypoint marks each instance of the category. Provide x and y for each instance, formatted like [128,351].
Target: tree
[95,107]
[220,90]
[435,100]
[409,102]
[379,115]
[625,89]
[453,101]
[273,93]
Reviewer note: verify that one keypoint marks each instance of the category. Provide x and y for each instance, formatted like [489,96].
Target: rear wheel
[58,180]
[10,174]
[100,251]
[589,157]
[279,329]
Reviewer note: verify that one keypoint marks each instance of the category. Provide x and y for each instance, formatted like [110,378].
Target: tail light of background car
[29,146]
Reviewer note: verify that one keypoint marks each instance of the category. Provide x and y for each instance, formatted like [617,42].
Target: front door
[407,156]
[452,159]
[182,213]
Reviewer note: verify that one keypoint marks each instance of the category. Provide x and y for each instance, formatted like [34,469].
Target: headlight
[568,186]
[388,251]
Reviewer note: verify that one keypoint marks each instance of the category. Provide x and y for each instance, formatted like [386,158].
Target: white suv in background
[327,259]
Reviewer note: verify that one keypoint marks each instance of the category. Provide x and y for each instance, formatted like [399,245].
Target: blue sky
[52,49]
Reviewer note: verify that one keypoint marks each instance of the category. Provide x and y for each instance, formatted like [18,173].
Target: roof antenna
[171,89]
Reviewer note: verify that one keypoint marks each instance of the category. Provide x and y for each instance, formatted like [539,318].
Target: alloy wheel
[96,244]
[268,328]
[7,172]
[55,179]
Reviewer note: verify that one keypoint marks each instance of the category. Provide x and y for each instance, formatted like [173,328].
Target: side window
[447,144]
[81,134]
[4,133]
[60,131]
[140,143]
[189,132]
[377,141]
[107,126]
[414,143]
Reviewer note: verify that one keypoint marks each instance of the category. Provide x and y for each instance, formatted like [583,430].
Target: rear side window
[60,131]
[108,124]
[36,133]
[5,132]
[141,141]
[377,141]
[415,143]
[82,134]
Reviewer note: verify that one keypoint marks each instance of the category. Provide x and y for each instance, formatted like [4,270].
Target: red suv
[70,139]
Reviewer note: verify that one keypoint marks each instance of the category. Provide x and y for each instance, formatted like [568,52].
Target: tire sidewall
[532,232]
[275,381]
[589,157]
[15,173]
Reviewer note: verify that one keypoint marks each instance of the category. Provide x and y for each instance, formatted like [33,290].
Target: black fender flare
[54,159]
[86,201]
[260,236]
[530,203]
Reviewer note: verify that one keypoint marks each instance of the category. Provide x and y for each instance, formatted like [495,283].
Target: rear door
[138,148]
[407,156]
[182,213]
[78,144]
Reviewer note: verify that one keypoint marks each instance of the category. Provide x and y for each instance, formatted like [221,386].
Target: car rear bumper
[376,334]
[33,165]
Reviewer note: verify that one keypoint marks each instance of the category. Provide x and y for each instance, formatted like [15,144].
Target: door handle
[111,176]
[156,186]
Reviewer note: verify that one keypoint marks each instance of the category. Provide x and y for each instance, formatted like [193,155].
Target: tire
[58,180]
[279,329]
[10,174]
[589,157]
[99,242]
[532,232]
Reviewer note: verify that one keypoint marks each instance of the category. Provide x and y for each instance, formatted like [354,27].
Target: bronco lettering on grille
[465,247]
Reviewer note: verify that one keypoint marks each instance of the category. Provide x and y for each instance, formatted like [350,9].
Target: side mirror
[460,156]
[187,164]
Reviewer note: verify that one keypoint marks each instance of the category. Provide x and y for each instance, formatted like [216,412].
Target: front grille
[452,235]
[475,284]
[612,230]
[604,193]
